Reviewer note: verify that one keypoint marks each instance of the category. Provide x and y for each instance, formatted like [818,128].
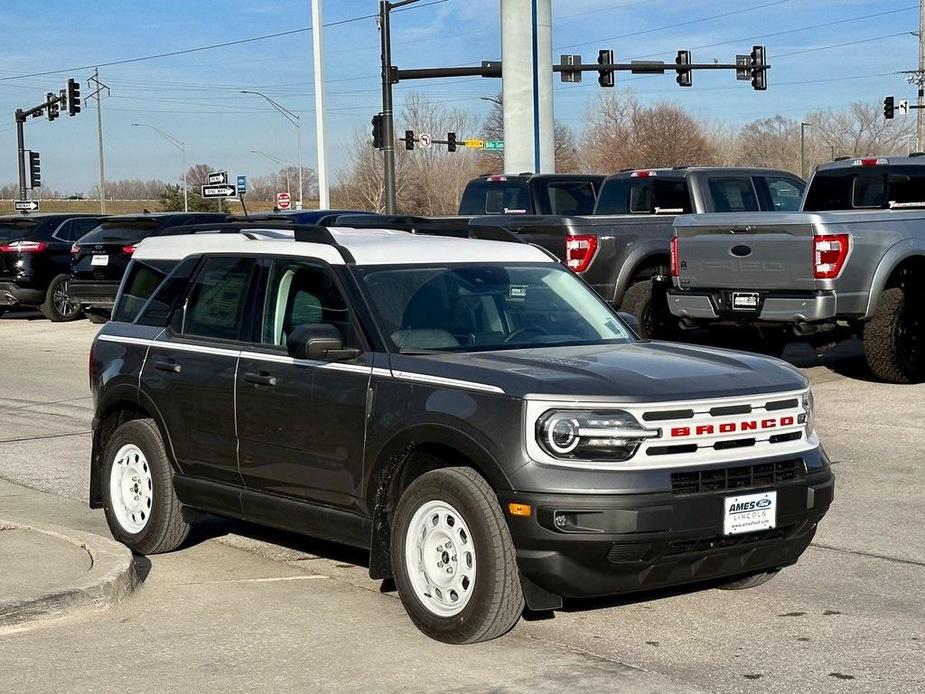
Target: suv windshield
[465,308]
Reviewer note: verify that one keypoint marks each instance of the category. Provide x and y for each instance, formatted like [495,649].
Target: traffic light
[889,107]
[685,76]
[605,75]
[35,170]
[759,74]
[451,142]
[73,97]
[51,101]
[409,139]
[378,128]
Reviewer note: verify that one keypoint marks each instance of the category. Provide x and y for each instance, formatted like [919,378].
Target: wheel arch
[407,456]
[905,255]
[640,266]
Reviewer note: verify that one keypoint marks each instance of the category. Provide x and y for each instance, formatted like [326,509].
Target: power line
[841,45]
[198,49]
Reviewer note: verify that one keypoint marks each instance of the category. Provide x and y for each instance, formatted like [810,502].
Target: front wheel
[58,306]
[141,505]
[453,558]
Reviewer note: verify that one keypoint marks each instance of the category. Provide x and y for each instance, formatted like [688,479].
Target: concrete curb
[111,578]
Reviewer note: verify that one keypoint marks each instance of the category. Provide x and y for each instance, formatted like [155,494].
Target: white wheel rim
[131,489]
[440,558]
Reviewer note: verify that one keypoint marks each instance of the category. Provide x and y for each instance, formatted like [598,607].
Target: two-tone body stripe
[331,366]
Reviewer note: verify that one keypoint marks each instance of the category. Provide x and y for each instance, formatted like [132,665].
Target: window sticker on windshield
[518,291]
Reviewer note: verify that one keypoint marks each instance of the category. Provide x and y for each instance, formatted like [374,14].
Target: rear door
[746,252]
[190,369]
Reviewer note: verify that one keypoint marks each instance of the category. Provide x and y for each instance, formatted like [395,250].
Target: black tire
[894,339]
[57,307]
[96,318]
[648,302]
[497,600]
[165,528]
[752,581]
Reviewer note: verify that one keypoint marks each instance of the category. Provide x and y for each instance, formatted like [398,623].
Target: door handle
[170,366]
[260,379]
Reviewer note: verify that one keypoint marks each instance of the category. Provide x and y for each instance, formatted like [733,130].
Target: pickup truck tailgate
[735,251]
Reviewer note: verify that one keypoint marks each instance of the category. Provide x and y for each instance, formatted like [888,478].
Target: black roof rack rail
[844,157]
[917,154]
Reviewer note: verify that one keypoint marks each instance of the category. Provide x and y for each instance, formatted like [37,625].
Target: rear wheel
[453,558]
[648,302]
[752,581]
[141,505]
[894,339]
[58,306]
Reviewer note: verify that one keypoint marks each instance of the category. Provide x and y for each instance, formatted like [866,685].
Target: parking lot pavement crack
[872,555]
[45,436]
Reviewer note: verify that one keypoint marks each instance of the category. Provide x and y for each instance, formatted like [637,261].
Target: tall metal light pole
[920,113]
[179,144]
[278,160]
[324,197]
[803,127]
[296,121]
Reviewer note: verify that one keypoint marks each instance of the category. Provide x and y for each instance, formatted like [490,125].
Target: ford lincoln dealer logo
[732,427]
[762,503]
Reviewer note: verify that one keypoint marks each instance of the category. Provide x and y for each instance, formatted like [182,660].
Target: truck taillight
[829,255]
[579,252]
[644,174]
[675,258]
[23,247]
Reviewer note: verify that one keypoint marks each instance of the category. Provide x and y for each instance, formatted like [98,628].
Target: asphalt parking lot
[245,609]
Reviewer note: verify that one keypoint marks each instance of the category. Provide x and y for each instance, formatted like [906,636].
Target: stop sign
[283,201]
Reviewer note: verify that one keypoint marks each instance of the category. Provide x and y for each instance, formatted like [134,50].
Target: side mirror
[319,342]
[631,321]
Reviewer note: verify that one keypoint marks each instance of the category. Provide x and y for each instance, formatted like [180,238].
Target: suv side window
[140,284]
[785,193]
[81,227]
[302,293]
[733,195]
[216,301]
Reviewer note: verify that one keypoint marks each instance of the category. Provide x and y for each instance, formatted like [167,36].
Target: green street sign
[494,144]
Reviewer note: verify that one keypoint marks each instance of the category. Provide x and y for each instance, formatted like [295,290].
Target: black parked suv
[100,257]
[35,261]
[469,411]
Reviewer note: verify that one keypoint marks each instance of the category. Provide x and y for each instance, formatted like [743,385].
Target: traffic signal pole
[21,148]
[920,114]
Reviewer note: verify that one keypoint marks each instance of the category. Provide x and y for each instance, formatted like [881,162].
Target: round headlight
[561,434]
[612,435]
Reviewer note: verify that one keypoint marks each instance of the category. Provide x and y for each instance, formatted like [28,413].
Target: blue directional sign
[242,185]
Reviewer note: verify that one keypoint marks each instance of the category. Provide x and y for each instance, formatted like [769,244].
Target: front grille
[738,477]
[705,544]
[627,551]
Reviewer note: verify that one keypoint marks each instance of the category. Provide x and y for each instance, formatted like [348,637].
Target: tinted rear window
[116,232]
[570,197]
[11,230]
[496,197]
[644,196]
[866,188]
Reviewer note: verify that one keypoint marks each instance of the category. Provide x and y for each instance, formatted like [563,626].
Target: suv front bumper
[12,294]
[94,294]
[622,543]
[773,307]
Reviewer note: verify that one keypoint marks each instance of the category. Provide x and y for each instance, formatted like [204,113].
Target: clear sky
[822,56]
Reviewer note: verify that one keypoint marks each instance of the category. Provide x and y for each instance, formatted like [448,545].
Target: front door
[301,423]
[190,369]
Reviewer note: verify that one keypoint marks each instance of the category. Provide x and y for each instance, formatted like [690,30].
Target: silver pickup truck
[851,263]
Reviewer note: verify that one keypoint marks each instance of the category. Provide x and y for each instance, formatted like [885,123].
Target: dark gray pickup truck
[851,263]
[623,249]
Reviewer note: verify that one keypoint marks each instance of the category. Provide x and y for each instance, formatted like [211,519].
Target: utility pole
[920,113]
[97,94]
[324,197]
[803,127]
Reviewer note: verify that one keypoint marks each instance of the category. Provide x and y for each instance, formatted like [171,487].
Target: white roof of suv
[367,246]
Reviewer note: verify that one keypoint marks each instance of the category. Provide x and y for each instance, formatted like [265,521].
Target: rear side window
[140,284]
[785,193]
[644,196]
[571,197]
[733,195]
[215,306]
[496,197]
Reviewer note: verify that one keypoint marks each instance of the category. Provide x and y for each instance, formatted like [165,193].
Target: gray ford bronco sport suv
[469,411]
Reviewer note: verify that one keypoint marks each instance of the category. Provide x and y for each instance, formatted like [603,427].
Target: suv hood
[636,372]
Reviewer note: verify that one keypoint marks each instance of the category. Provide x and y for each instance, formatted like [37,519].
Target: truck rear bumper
[612,544]
[773,308]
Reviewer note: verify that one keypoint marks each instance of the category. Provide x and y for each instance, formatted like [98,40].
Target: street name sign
[474,144]
[218,177]
[495,145]
[218,190]
[26,205]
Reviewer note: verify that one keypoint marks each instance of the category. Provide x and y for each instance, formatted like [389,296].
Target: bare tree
[772,142]
[859,130]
